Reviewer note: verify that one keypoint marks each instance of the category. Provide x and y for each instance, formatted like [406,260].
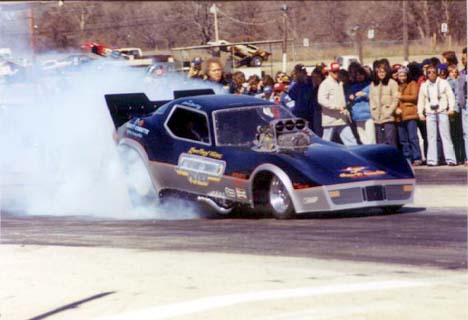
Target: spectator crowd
[418,107]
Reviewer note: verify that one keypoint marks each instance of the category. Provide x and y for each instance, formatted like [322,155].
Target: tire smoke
[58,156]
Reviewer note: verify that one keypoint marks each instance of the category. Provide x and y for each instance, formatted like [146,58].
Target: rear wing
[125,106]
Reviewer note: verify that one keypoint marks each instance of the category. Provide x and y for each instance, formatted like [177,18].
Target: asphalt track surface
[433,237]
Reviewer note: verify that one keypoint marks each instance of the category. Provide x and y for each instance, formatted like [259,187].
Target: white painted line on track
[216,302]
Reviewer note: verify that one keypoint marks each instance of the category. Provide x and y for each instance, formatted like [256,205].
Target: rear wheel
[279,200]
[140,186]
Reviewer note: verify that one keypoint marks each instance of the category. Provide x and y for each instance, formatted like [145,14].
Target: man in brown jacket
[407,116]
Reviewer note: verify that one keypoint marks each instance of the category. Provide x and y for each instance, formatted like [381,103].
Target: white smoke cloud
[58,156]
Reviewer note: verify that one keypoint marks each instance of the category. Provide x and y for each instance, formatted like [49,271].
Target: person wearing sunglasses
[436,103]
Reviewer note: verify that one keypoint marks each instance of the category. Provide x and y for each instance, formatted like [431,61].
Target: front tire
[279,200]
[256,61]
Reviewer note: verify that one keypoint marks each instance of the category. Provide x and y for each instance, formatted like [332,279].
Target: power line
[247,23]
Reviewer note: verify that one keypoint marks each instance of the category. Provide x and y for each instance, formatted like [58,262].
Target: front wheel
[256,61]
[279,200]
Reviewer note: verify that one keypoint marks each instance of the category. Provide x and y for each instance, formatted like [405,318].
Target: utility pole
[32,27]
[214,11]
[405,32]
[359,41]
[284,7]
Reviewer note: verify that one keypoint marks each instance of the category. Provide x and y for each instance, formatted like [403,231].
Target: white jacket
[444,98]
[331,97]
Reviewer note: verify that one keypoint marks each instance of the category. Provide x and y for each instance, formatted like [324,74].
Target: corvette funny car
[230,150]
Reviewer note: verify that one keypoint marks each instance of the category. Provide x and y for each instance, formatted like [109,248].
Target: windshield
[238,126]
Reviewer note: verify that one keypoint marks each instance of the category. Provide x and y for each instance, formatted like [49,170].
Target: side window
[187,124]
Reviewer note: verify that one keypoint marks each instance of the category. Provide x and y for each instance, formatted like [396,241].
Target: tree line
[163,25]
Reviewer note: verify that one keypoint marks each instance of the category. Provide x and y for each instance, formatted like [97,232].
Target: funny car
[230,151]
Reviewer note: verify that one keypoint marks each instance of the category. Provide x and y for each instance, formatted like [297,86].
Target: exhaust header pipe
[214,205]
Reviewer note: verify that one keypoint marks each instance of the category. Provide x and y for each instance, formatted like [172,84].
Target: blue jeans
[408,135]
[464,116]
[345,132]
[385,133]
[439,121]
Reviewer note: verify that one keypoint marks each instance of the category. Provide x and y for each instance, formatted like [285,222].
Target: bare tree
[164,25]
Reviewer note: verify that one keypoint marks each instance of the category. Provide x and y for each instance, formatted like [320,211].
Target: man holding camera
[436,102]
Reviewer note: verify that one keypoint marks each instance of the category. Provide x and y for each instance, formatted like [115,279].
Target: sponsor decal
[190,103]
[359,172]
[136,130]
[216,194]
[240,175]
[309,200]
[241,194]
[297,185]
[200,170]
[231,193]
[205,153]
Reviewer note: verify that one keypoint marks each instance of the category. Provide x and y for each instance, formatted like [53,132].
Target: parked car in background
[244,54]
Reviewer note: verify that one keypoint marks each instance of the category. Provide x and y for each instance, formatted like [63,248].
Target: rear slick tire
[141,190]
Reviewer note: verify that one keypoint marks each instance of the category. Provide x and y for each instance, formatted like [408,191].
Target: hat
[267,89]
[285,79]
[396,67]
[442,67]
[197,61]
[426,61]
[403,69]
[300,67]
[278,86]
[334,67]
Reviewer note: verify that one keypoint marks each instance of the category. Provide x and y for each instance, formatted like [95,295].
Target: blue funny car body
[231,150]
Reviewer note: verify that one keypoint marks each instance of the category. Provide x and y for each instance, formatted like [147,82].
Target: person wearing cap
[267,93]
[335,116]
[383,100]
[463,103]
[407,116]
[436,100]
[442,70]
[395,69]
[277,91]
[424,65]
[195,71]
[301,91]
